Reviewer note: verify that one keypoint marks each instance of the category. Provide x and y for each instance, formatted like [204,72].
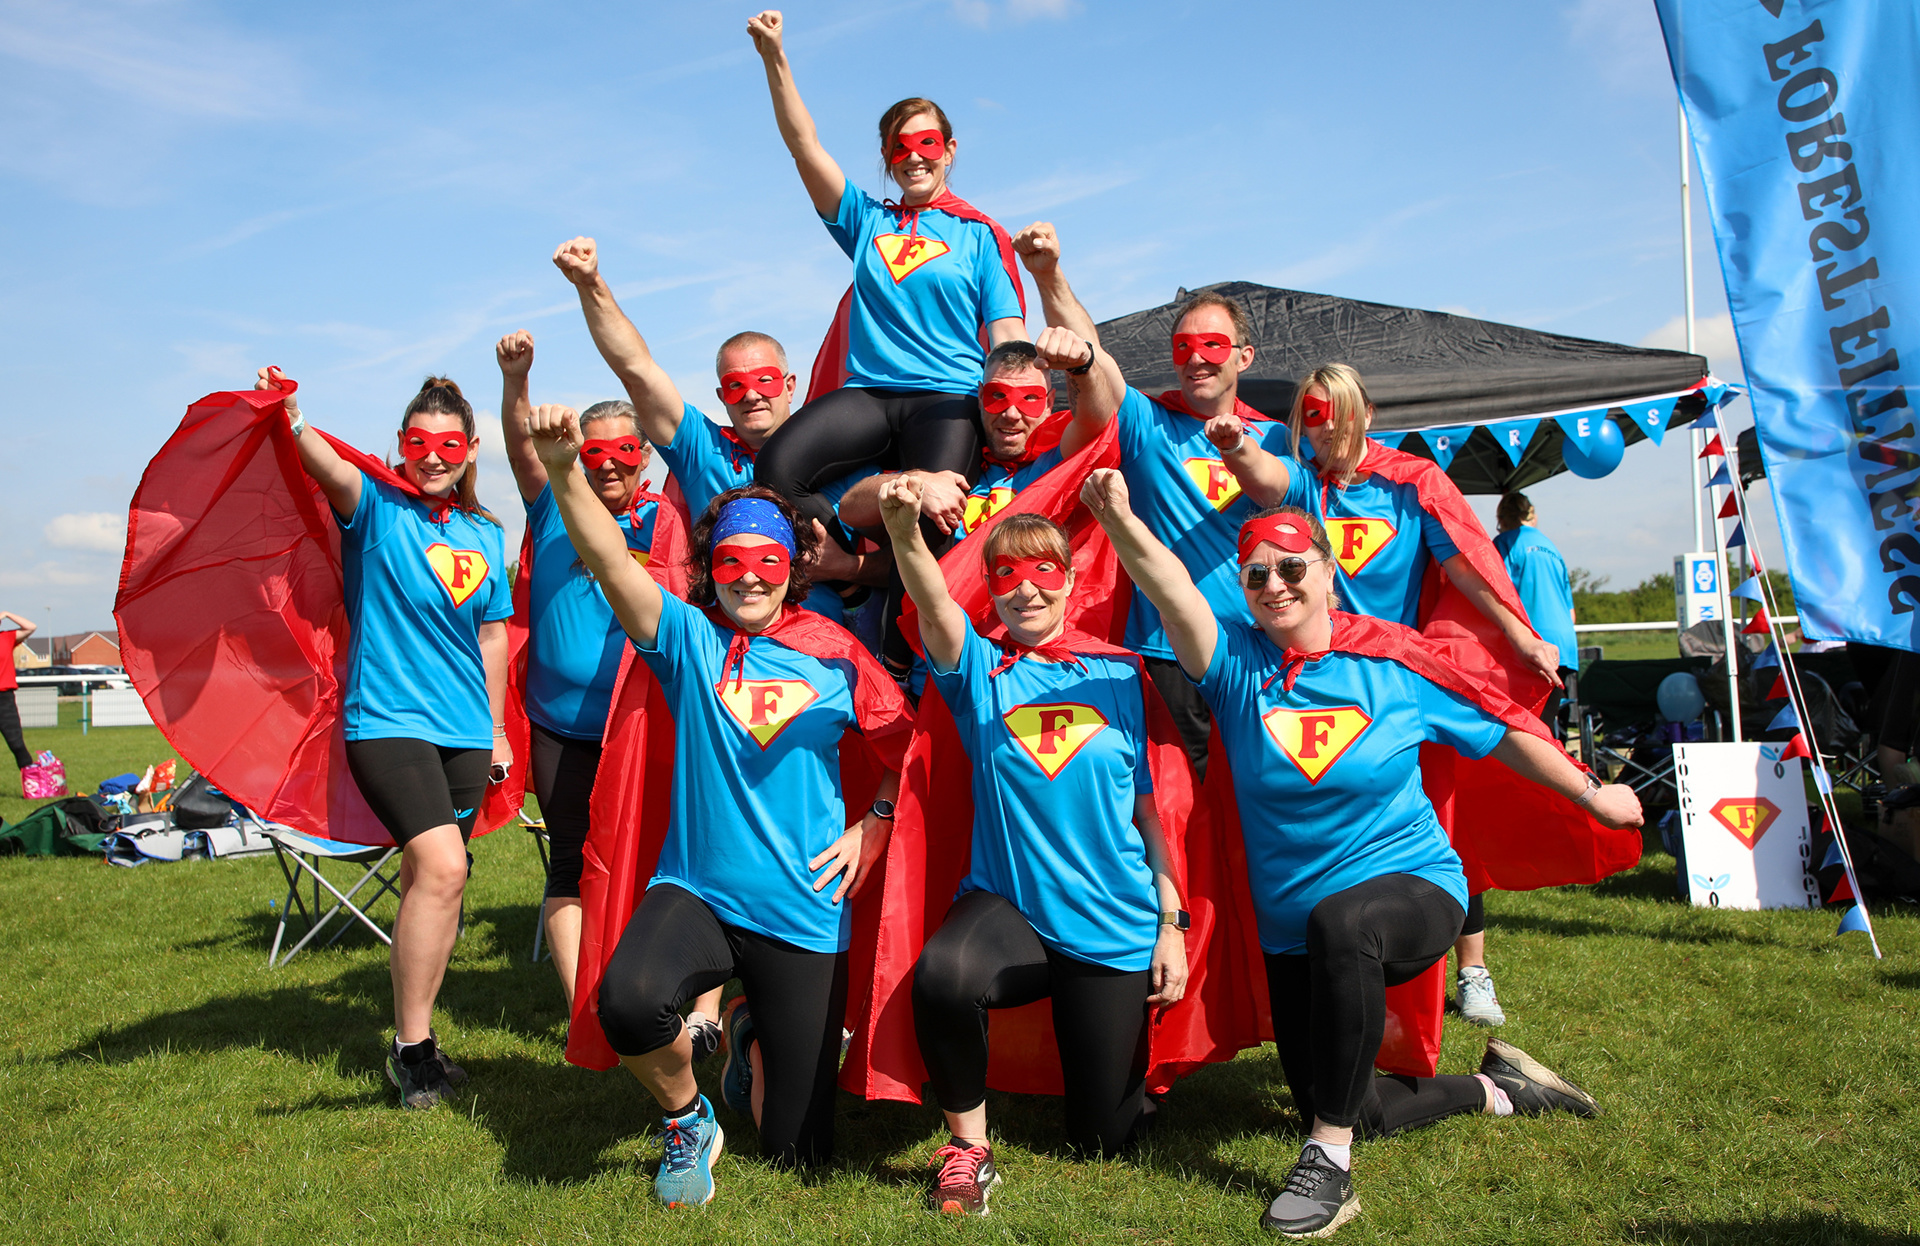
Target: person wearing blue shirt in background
[1354,884]
[1540,573]
[756,391]
[427,600]
[931,295]
[1069,878]
[569,677]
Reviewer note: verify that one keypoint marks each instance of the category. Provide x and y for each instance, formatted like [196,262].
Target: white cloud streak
[101,530]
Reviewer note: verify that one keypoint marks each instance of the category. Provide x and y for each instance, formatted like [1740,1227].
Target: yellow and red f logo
[903,253]
[1748,817]
[1054,734]
[765,707]
[1219,486]
[1357,541]
[460,571]
[1314,739]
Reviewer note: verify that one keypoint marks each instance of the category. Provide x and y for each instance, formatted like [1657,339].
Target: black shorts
[414,785]
[563,772]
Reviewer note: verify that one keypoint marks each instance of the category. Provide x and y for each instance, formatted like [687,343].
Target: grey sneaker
[704,1034]
[1478,1003]
[419,1075]
[1318,1198]
[1534,1088]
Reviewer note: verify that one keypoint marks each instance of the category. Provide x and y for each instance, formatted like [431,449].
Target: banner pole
[1694,435]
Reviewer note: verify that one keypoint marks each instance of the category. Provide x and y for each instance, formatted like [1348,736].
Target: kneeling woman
[757,858]
[1354,883]
[1069,893]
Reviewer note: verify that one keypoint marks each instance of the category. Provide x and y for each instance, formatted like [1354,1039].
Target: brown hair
[1514,510]
[1350,409]
[1242,323]
[1027,536]
[440,396]
[700,591]
[895,117]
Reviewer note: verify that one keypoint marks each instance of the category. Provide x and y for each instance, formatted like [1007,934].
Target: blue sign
[1806,121]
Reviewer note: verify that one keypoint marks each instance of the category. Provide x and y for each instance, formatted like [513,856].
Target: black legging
[674,948]
[10,729]
[986,955]
[1191,717]
[414,785]
[1330,1006]
[1476,920]
[850,428]
[563,772]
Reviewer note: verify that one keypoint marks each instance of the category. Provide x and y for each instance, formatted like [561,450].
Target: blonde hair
[1351,406]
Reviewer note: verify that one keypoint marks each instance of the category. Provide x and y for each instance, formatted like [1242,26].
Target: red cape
[830,365]
[233,619]
[632,802]
[666,561]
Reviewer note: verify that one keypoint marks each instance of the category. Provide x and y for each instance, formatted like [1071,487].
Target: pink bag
[45,780]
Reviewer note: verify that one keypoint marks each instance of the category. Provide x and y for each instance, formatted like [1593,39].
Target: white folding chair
[537,827]
[301,858]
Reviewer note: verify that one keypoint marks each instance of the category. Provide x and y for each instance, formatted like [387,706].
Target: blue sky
[363,194]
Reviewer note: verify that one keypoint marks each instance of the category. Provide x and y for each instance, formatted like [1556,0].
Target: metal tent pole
[1695,439]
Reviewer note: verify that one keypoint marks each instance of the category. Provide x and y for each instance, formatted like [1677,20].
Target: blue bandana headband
[757,516]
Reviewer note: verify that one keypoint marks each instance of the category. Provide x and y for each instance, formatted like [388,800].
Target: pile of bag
[133,819]
[46,779]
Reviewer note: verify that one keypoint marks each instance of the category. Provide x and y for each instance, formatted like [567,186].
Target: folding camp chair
[1621,733]
[537,827]
[301,858]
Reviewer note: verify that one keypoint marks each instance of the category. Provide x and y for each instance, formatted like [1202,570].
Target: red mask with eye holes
[929,143]
[769,561]
[735,386]
[417,444]
[1007,572]
[1211,347]
[627,451]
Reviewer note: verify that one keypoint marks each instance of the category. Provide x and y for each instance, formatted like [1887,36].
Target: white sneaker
[1478,1003]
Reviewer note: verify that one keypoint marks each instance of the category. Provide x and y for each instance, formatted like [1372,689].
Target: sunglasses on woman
[1291,571]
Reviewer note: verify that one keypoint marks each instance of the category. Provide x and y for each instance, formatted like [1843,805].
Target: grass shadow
[1578,927]
[1804,1229]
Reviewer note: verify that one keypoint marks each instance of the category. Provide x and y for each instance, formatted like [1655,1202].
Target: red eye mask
[1032,400]
[733,559]
[1289,532]
[451,447]
[929,143]
[1315,411]
[735,386]
[1008,572]
[623,450]
[1211,347]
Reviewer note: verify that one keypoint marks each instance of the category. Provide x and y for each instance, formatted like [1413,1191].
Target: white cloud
[101,530]
[1712,337]
[47,575]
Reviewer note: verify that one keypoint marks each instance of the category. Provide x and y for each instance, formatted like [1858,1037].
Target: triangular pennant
[1514,437]
[1446,442]
[1390,440]
[1720,477]
[1581,427]
[1779,688]
[1842,891]
[1796,747]
[1713,447]
[1750,590]
[1785,718]
[1854,921]
[1730,509]
[1738,538]
[1652,417]
[1757,625]
[1833,856]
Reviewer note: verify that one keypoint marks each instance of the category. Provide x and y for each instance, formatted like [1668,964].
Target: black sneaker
[1534,1088]
[704,1034]
[967,1178]
[455,1075]
[417,1073]
[1318,1198]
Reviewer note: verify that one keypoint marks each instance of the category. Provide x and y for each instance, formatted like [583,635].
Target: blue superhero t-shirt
[1190,501]
[756,777]
[1540,574]
[574,642]
[1381,538]
[417,592]
[999,484]
[921,293]
[1327,776]
[1059,751]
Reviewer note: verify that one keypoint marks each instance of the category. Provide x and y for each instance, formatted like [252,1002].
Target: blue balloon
[1679,698]
[1600,456]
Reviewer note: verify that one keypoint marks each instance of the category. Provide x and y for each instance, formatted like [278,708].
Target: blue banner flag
[1854,921]
[1750,590]
[1581,426]
[1806,122]
[1721,477]
[1446,442]
[1514,436]
[1390,440]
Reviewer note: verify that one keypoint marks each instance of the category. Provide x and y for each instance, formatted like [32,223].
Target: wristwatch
[1179,919]
[298,424]
[1593,785]
[1082,370]
[883,809]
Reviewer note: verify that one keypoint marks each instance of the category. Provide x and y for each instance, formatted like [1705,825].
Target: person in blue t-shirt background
[427,602]
[1068,892]
[569,677]
[1355,886]
[931,294]
[757,857]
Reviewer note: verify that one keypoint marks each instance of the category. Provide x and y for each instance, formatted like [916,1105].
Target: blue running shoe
[693,1144]
[736,1080]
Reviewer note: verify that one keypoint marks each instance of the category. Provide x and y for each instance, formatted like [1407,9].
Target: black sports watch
[1093,353]
[1179,919]
[883,809]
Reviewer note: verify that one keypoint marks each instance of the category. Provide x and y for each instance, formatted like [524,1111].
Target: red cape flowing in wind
[830,364]
[233,618]
[665,560]
[632,802]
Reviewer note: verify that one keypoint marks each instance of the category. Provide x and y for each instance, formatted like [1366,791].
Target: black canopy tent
[1425,369]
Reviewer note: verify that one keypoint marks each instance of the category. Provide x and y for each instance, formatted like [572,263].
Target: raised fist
[270,377]
[1061,349]
[579,259]
[1039,248]
[900,501]
[514,352]
[767,30]
[556,435]
[1105,493]
[1226,432]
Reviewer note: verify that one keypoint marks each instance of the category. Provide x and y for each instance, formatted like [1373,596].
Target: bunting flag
[1769,656]
[1758,625]
[1446,442]
[1779,688]
[1738,538]
[1514,436]
[1751,590]
[1652,417]
[1797,747]
[1713,447]
[1730,509]
[1721,477]
[1581,427]
[1843,890]
[1833,856]
[1390,440]
[1785,718]
[1854,921]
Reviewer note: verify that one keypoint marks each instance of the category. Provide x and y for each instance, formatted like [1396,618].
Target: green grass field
[159,1083]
